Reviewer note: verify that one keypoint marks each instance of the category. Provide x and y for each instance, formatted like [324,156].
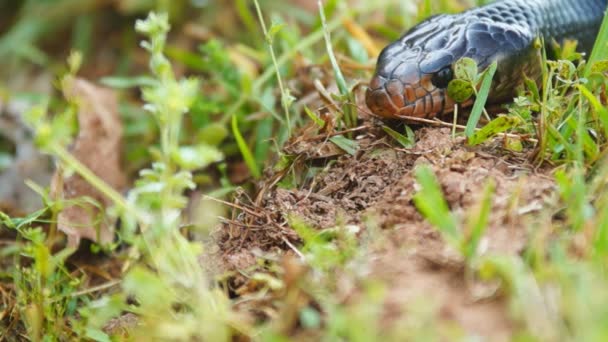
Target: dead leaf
[98,147]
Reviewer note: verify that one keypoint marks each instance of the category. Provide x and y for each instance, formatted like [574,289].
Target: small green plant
[169,282]
[406,140]
[326,249]
[167,279]
[430,202]
[44,284]
[465,84]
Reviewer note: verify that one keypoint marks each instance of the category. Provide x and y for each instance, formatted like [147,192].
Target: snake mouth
[394,99]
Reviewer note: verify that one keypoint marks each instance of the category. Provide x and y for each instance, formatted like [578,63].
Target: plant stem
[284,93]
[67,158]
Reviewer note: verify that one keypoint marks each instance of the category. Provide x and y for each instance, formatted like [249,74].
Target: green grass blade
[317,120]
[478,221]
[600,48]
[482,97]
[433,206]
[350,115]
[245,151]
[601,111]
[348,145]
[286,98]
[244,13]
[330,53]
[407,141]
[263,134]
[573,190]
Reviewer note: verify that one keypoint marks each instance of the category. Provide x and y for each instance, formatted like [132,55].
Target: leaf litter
[97,146]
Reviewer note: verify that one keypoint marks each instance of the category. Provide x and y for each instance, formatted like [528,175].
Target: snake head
[412,73]
[407,85]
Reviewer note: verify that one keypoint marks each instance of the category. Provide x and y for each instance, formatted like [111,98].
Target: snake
[412,73]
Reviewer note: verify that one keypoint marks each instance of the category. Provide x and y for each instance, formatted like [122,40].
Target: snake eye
[442,77]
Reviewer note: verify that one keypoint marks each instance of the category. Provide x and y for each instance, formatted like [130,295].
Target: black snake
[413,72]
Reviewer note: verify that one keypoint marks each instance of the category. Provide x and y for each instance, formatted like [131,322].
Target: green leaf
[533,87]
[74,62]
[566,69]
[7,221]
[466,69]
[190,59]
[100,311]
[20,223]
[151,292]
[405,141]
[317,120]
[460,90]
[600,67]
[498,125]
[482,97]
[348,145]
[97,335]
[513,144]
[196,157]
[213,134]
[155,24]
[274,29]
[601,111]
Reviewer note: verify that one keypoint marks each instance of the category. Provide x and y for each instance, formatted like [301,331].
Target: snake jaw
[392,98]
[378,100]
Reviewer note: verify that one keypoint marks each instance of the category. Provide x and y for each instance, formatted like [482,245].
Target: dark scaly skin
[502,31]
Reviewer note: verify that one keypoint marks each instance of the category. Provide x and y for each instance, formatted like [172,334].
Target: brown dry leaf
[98,147]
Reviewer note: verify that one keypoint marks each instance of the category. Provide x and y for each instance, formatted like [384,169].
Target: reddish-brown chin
[378,102]
[392,100]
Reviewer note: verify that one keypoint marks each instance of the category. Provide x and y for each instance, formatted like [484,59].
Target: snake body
[413,72]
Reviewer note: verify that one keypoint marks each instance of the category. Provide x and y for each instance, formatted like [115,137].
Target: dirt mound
[377,185]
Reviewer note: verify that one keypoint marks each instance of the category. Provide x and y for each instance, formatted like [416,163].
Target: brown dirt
[377,185]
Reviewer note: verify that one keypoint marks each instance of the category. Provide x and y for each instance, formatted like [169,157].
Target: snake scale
[413,72]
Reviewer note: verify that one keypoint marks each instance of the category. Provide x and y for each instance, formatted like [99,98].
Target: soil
[372,190]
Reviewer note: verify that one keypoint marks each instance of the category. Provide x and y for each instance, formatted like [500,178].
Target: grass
[182,136]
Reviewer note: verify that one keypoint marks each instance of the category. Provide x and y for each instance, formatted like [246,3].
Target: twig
[95,288]
[294,248]
[249,211]
[354,129]
[452,125]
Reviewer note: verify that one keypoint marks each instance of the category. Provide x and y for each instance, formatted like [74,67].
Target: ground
[372,191]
